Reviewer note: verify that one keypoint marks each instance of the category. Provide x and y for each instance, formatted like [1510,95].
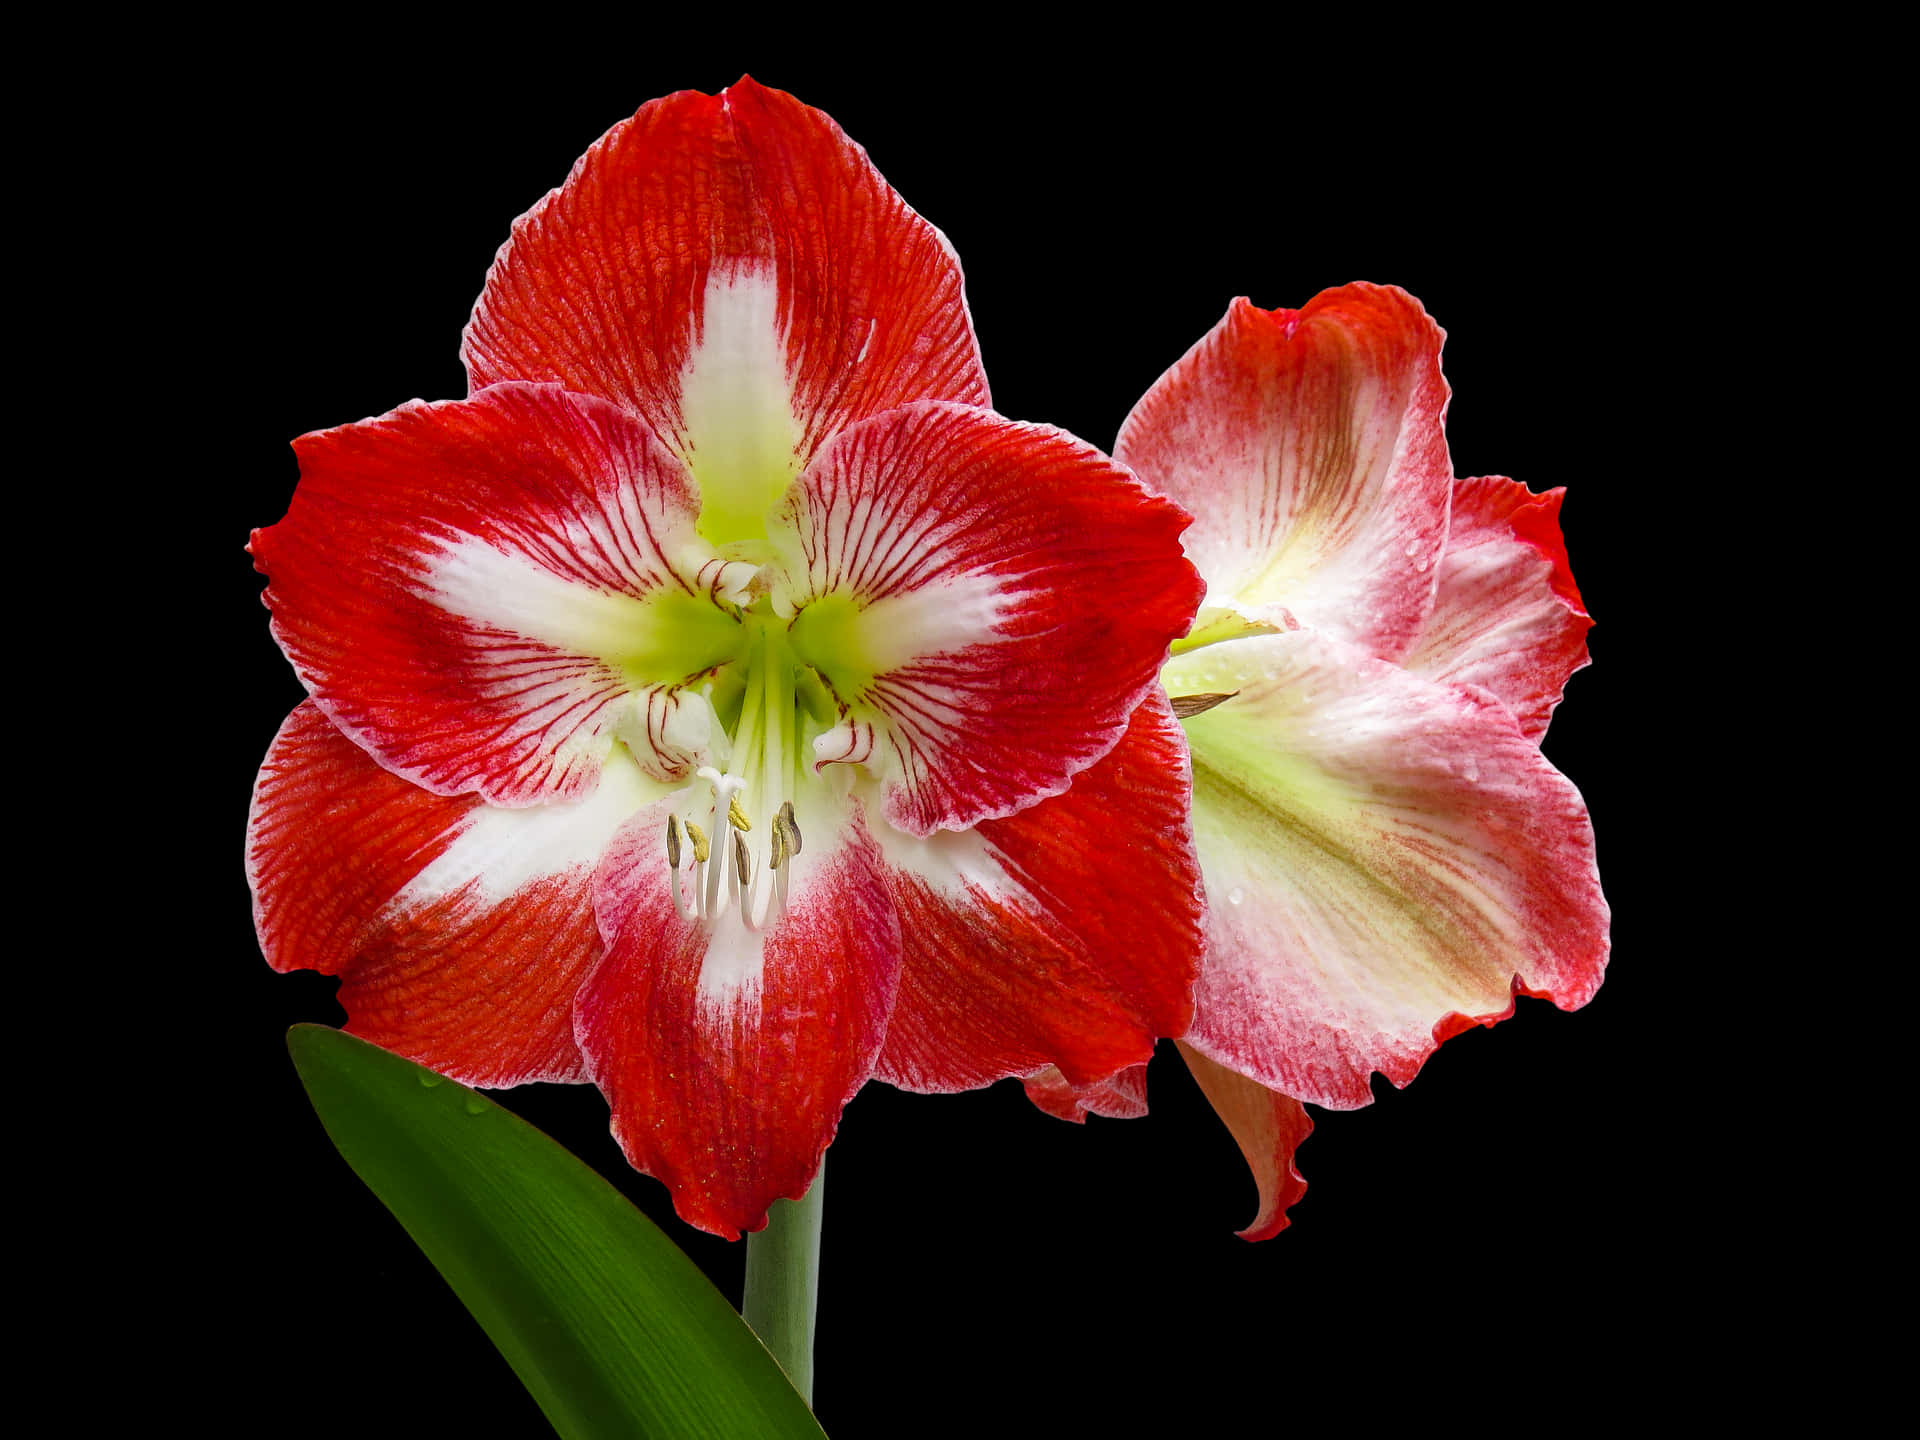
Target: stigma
[723,873]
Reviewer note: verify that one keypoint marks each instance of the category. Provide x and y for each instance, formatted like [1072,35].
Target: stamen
[731,876]
[1185,707]
[680,905]
[700,847]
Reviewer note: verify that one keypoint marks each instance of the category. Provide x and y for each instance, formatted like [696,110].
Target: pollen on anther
[699,839]
[736,816]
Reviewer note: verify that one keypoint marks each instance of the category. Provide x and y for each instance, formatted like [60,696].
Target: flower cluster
[723,705]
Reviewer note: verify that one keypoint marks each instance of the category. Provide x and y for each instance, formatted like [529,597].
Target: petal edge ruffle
[1382,855]
[1506,615]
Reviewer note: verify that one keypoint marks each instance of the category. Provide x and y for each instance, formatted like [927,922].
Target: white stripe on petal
[508,592]
[952,863]
[500,852]
[736,403]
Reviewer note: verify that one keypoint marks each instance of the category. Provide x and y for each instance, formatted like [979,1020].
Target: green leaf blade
[611,1328]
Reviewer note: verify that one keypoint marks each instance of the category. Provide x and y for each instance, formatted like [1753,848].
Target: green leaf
[609,1326]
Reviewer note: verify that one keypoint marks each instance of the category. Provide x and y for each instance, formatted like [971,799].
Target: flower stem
[783,1283]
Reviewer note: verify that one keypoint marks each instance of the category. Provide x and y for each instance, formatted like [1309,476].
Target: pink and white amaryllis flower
[1388,857]
[721,704]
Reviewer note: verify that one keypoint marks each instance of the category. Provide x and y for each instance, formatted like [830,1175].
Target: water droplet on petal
[429,1079]
[1236,896]
[476,1105]
[1469,770]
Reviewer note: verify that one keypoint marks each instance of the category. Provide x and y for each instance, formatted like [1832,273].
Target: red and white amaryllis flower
[1389,859]
[721,704]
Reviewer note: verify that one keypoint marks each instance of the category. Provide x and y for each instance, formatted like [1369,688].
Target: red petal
[1015,593]
[1309,446]
[476,590]
[1268,1127]
[1507,615]
[730,1093]
[1118,1097]
[601,286]
[1068,934]
[463,931]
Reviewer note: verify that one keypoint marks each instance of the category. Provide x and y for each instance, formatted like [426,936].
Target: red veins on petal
[1065,935]
[466,968]
[601,285]
[1049,581]
[452,580]
[727,1060]
[1309,445]
[1507,615]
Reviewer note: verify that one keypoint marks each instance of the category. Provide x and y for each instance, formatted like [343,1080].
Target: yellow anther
[737,817]
[699,839]
[777,846]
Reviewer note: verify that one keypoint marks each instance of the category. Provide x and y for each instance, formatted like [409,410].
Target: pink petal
[1118,1097]
[1268,1127]
[1006,594]
[1309,446]
[727,1061]
[462,931]
[603,283]
[479,592]
[1507,615]
[1386,860]
[1066,935]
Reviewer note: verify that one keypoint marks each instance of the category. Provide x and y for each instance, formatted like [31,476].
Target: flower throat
[733,847]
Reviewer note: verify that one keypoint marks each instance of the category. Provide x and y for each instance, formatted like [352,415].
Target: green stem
[783,1283]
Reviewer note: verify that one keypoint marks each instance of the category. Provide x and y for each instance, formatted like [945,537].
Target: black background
[1525,1219]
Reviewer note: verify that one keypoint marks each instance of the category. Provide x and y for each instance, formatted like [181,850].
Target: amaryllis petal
[1067,934]
[987,600]
[1267,1126]
[482,591]
[734,270]
[462,930]
[727,1056]
[1507,615]
[1309,446]
[1387,860]
[1122,1096]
